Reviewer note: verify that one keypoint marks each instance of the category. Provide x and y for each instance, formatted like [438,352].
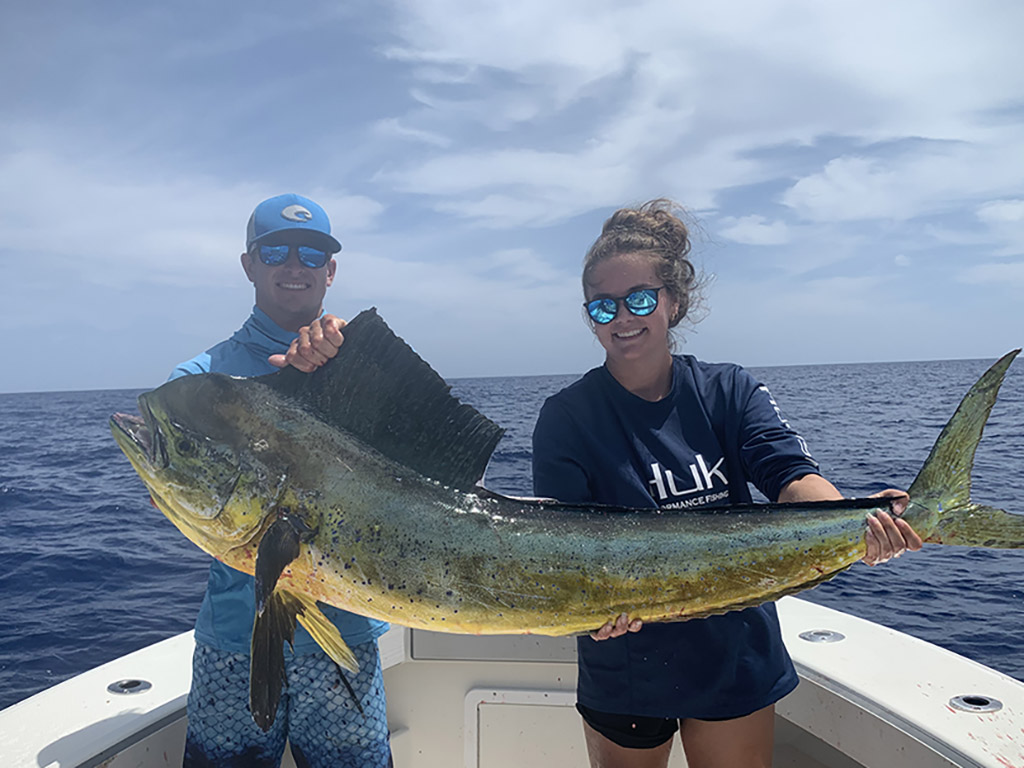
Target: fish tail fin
[941,507]
[979,526]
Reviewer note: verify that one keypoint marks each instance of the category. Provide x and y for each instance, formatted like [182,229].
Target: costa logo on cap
[296,213]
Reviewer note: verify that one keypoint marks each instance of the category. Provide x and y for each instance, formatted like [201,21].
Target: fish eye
[185,445]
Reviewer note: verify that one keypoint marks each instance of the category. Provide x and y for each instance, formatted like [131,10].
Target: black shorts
[635,731]
[628,730]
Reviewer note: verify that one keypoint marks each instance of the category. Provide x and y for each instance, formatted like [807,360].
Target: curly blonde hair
[653,228]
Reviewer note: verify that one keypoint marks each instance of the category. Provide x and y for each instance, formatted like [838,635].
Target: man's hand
[316,343]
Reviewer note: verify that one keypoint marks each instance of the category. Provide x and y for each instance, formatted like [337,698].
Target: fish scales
[491,565]
[356,486]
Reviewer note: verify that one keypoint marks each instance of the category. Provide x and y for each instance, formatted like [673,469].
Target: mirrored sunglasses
[641,303]
[276,255]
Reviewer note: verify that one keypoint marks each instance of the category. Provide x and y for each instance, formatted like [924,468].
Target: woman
[648,429]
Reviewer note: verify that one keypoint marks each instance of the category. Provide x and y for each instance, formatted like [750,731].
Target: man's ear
[247,265]
[332,267]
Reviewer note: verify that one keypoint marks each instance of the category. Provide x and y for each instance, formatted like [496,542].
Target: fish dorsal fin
[379,390]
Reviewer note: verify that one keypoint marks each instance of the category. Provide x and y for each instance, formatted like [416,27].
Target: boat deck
[491,702]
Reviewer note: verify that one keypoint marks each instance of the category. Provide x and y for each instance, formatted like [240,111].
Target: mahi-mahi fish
[357,486]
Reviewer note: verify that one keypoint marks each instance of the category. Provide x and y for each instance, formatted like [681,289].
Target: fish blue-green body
[356,486]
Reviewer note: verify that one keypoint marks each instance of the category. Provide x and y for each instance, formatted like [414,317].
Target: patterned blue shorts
[317,714]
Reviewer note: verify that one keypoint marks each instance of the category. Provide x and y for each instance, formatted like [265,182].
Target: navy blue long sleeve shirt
[718,429]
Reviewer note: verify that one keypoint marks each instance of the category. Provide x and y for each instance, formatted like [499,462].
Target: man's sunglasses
[276,255]
[641,303]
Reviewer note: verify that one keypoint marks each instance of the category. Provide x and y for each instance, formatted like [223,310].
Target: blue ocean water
[91,571]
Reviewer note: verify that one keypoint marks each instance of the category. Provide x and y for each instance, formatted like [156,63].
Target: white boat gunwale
[844,694]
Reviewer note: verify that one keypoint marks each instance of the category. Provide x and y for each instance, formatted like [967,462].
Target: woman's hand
[889,536]
[617,628]
[886,537]
[316,343]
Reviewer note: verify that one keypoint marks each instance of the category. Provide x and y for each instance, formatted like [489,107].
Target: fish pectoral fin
[274,624]
[326,634]
[276,612]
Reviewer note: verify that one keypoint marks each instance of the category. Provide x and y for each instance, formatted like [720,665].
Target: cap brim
[314,237]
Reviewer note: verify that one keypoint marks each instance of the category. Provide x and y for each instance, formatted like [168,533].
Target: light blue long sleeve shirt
[229,607]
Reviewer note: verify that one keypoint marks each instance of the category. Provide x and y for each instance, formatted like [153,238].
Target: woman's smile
[629,334]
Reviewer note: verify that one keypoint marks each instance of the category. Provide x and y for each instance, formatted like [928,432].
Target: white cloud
[508,313]
[754,230]
[582,41]
[917,181]
[665,102]
[559,184]
[392,127]
[844,297]
[854,320]
[126,227]
[503,280]
[999,211]
[572,44]
[1004,220]
[467,152]
[995,273]
[521,264]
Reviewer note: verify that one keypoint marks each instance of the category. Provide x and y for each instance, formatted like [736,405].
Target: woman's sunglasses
[641,303]
[276,255]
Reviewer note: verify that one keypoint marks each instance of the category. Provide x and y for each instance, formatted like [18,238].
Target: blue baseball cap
[290,212]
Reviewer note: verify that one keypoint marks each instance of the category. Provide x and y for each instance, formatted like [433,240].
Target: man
[289,260]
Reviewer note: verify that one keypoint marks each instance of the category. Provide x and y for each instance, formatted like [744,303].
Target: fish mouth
[135,428]
[147,440]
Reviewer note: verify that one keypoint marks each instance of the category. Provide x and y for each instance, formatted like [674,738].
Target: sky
[853,172]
